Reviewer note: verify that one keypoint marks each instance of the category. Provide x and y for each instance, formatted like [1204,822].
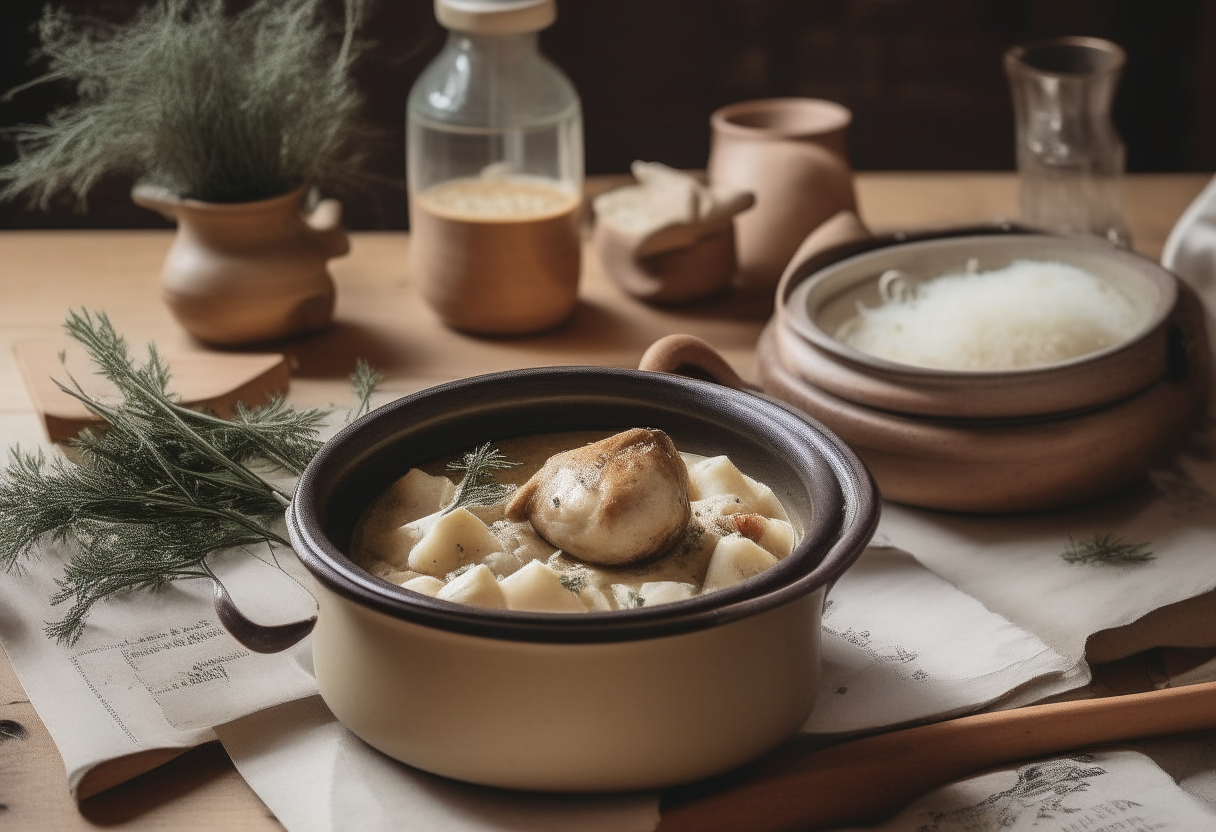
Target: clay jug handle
[326,222]
[260,638]
[156,199]
[687,355]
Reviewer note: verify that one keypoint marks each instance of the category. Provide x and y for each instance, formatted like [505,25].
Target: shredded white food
[1028,314]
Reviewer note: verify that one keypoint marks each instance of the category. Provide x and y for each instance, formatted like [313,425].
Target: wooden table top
[380,317]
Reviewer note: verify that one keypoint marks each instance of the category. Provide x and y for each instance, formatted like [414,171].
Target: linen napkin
[901,645]
[1190,250]
[153,670]
[1059,574]
[316,776]
[1102,791]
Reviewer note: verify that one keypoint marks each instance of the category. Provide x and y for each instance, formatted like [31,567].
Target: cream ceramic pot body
[243,273]
[618,716]
[598,701]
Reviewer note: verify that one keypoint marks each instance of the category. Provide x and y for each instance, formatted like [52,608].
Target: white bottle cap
[495,17]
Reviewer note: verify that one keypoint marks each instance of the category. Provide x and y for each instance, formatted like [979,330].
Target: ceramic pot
[701,270]
[600,701]
[1002,441]
[243,273]
[791,153]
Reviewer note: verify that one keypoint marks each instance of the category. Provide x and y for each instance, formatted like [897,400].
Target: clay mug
[242,273]
[791,153]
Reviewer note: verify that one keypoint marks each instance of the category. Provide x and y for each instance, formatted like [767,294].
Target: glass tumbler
[1070,157]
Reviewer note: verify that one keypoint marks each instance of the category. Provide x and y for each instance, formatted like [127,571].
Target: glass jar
[494,158]
[1070,157]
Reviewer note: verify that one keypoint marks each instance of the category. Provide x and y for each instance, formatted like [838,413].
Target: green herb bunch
[156,491]
[197,99]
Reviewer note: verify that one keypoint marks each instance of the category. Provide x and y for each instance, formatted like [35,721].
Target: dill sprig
[156,491]
[364,380]
[574,583]
[477,487]
[1106,549]
[206,99]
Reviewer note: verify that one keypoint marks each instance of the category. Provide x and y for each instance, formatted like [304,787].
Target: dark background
[923,78]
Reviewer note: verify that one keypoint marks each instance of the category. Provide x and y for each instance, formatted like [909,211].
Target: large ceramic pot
[981,441]
[620,700]
[243,273]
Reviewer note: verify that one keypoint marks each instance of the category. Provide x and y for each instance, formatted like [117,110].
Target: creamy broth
[389,537]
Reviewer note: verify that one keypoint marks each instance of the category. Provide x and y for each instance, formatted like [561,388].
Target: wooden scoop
[866,780]
[202,379]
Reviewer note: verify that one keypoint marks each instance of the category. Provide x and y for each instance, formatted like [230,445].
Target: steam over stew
[597,523]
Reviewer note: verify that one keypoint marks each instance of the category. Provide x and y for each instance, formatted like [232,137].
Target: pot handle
[326,224]
[687,355]
[260,638]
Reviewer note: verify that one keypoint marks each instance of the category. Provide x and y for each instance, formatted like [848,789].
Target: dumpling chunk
[735,560]
[718,478]
[453,540]
[613,502]
[537,588]
[476,587]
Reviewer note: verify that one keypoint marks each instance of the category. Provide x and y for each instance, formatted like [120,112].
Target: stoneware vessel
[1002,441]
[607,701]
[792,154]
[243,273]
[701,270]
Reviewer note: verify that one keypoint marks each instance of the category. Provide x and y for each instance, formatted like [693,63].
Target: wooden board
[202,379]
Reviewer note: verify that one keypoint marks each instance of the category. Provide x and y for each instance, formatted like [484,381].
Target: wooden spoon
[866,780]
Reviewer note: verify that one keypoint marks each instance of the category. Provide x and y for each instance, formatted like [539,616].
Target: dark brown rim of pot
[810,465]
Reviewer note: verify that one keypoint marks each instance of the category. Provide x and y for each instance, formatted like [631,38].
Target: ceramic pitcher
[791,153]
[242,273]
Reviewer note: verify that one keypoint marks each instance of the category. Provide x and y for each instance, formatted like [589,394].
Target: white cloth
[901,645]
[1014,565]
[1102,791]
[152,670]
[1190,250]
[316,776]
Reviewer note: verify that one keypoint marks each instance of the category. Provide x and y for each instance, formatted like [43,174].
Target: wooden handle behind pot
[326,221]
[687,355]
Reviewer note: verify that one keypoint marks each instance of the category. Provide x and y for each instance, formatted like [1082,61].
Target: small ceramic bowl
[621,700]
[1002,441]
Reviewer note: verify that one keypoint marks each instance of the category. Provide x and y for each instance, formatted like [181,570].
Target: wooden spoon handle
[865,780]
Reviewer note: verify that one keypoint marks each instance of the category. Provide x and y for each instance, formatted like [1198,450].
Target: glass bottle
[1070,157]
[494,158]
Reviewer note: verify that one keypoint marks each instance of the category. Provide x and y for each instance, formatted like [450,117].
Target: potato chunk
[613,502]
[665,592]
[773,536]
[397,519]
[418,494]
[477,587]
[717,477]
[424,585]
[453,540]
[537,588]
[735,559]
